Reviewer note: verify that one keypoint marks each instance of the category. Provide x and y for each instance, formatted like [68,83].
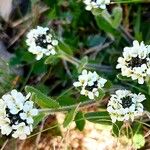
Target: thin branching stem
[67,108]
[131,1]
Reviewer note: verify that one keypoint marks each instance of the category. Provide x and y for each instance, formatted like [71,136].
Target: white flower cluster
[90,83]
[41,42]
[135,62]
[125,106]
[16,115]
[94,4]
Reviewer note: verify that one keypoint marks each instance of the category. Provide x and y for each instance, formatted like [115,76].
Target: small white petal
[55,42]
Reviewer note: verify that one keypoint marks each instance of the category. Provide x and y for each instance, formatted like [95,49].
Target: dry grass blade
[39,135]
[17,37]
[5,143]
[26,18]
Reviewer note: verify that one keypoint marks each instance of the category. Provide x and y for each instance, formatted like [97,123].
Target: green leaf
[52,60]
[138,141]
[41,99]
[38,119]
[66,100]
[98,117]
[80,121]
[39,68]
[105,25]
[108,84]
[123,78]
[65,47]
[138,138]
[101,94]
[96,11]
[52,13]
[116,128]
[69,117]
[117,15]
[137,87]
[137,128]
[146,103]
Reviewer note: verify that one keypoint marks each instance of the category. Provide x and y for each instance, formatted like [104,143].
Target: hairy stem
[67,108]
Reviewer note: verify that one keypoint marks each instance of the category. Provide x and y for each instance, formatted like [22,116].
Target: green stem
[133,1]
[69,58]
[67,108]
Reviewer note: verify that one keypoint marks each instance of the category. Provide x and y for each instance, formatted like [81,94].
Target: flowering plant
[90,83]
[135,62]
[88,66]
[125,106]
[16,114]
[40,42]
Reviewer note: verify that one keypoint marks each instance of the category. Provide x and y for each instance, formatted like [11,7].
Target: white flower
[135,62]
[16,114]
[41,42]
[14,101]
[21,131]
[29,112]
[92,4]
[83,78]
[5,127]
[124,105]
[90,83]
